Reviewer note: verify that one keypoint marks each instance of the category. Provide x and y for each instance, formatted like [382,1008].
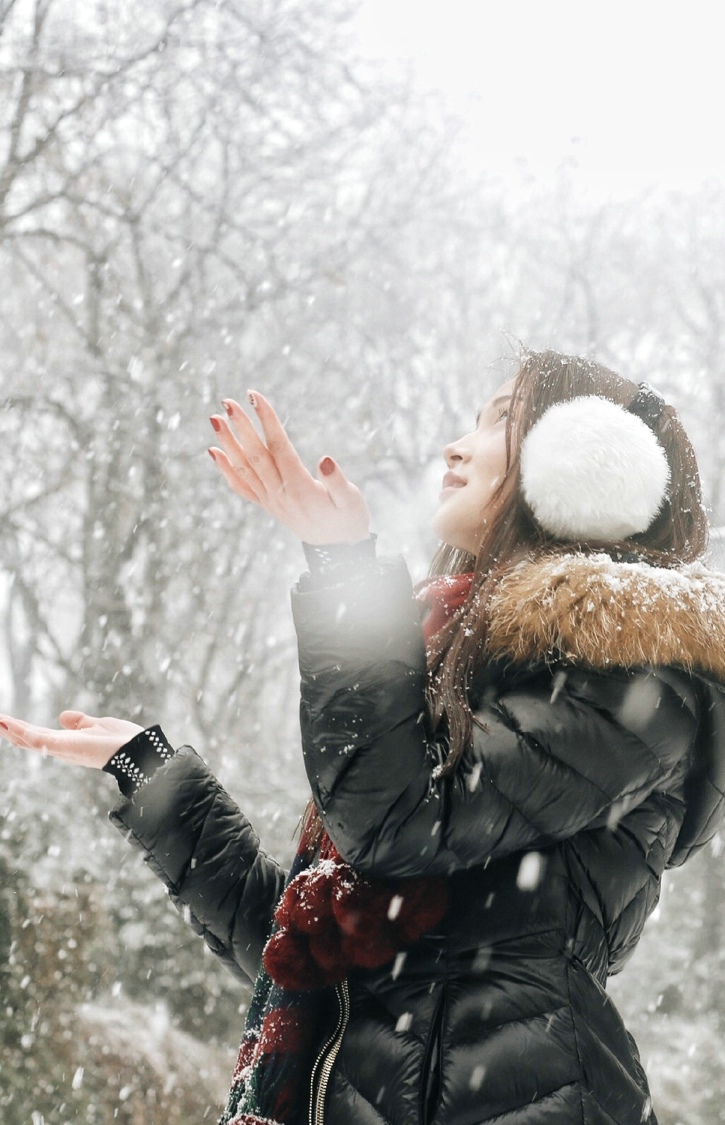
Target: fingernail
[227,405]
[212,454]
[327,466]
[252,398]
[216,424]
[4,725]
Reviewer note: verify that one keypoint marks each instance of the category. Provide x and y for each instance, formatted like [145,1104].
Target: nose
[455,452]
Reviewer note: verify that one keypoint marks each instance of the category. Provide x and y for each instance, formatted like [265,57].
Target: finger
[284,454]
[8,729]
[235,478]
[337,486]
[74,720]
[257,454]
[329,472]
[26,735]
[256,469]
[229,441]
[11,727]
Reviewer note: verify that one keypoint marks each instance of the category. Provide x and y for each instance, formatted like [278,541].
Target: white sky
[633,91]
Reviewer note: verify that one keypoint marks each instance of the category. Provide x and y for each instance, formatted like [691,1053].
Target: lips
[451,482]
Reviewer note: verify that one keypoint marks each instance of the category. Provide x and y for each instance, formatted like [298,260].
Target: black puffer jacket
[598,760]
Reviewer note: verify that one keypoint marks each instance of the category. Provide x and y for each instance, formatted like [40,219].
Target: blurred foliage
[672,996]
[72,1050]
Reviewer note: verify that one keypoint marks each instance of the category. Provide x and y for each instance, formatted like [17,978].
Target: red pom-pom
[305,905]
[361,907]
[332,919]
[327,950]
[288,961]
[369,951]
[362,912]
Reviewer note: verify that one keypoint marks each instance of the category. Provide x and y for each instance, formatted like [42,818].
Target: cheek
[492,463]
[501,460]
[501,449]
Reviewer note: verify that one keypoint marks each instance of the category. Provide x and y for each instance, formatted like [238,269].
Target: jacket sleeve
[550,758]
[207,854]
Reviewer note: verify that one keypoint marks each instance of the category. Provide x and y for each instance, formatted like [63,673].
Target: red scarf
[441,597]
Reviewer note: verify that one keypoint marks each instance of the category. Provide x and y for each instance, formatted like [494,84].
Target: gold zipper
[326,1058]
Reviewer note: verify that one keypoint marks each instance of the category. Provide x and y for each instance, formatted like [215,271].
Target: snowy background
[360,212]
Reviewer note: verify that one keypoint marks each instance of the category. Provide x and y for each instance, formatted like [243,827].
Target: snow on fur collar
[591,609]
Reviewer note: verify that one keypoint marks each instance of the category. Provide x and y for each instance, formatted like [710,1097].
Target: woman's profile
[503,761]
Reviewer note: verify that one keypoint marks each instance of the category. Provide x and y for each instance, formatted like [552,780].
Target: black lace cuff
[137,761]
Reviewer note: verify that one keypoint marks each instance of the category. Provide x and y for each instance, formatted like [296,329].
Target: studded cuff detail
[137,761]
[333,558]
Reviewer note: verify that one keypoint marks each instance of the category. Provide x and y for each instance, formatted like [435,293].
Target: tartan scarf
[329,921]
[281,1034]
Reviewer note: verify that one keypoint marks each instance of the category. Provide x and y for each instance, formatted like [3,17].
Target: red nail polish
[327,466]
[227,406]
[216,424]
[212,454]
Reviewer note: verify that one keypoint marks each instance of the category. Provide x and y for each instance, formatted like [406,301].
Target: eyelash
[503,413]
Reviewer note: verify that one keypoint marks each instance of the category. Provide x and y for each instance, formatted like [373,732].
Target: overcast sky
[634,90]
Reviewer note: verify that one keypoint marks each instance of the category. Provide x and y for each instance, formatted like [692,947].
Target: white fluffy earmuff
[592,470]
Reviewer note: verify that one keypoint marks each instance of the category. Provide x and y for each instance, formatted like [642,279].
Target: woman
[489,822]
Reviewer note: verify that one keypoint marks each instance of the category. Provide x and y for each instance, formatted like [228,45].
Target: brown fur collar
[603,613]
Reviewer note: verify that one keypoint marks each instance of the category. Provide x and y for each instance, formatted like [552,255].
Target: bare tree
[179,196]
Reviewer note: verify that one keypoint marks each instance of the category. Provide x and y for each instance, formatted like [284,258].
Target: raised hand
[268,471]
[83,741]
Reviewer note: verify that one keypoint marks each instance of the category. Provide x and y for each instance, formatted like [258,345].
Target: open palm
[83,740]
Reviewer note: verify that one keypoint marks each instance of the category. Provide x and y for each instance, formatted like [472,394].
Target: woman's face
[476,466]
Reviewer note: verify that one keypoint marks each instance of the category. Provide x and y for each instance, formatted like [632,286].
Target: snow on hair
[591,470]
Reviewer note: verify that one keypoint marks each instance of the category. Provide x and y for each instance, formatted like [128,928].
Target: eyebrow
[492,405]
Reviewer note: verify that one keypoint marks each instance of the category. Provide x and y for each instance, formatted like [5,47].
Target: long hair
[677,535]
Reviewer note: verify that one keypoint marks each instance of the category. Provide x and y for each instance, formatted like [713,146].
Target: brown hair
[677,535]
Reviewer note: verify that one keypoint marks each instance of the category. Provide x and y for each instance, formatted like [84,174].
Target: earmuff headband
[594,470]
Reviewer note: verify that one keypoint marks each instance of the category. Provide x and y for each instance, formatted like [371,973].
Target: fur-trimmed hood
[602,613]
